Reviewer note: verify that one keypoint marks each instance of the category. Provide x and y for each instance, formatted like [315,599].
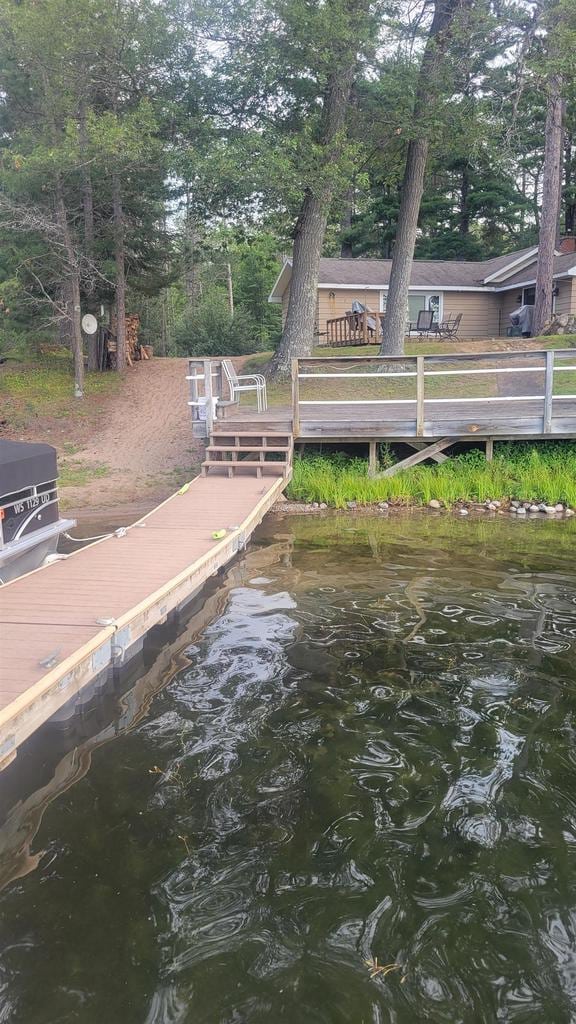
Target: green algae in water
[367,759]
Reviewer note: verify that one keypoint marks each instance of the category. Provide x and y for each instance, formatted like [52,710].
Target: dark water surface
[369,755]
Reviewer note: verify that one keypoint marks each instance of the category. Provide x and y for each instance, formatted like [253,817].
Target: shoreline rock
[516,508]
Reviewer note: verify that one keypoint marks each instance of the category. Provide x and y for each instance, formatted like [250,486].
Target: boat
[30,522]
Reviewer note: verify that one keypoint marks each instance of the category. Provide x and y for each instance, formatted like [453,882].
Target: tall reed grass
[545,473]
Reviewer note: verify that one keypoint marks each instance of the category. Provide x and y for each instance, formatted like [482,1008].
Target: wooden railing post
[219,381]
[372,458]
[208,394]
[192,373]
[295,399]
[365,327]
[419,396]
[548,392]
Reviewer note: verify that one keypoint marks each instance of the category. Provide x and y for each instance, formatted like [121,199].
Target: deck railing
[423,385]
[354,329]
[206,380]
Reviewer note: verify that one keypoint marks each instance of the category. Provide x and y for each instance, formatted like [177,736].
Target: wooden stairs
[249,449]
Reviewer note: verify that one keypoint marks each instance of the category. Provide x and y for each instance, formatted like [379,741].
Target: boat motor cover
[25,465]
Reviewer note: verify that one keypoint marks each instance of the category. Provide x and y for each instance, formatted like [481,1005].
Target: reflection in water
[367,756]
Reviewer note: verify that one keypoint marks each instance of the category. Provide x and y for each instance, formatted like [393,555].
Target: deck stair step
[241,449]
[269,434]
[231,465]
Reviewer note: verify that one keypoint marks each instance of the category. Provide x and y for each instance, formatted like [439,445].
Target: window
[418,301]
[528,296]
[434,304]
[424,300]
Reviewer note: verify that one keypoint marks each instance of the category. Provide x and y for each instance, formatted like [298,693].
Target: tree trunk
[428,89]
[71,290]
[464,211]
[535,205]
[191,282]
[118,218]
[64,324]
[298,334]
[88,216]
[346,251]
[551,195]
[297,337]
[71,283]
[230,289]
[403,254]
[86,181]
[569,188]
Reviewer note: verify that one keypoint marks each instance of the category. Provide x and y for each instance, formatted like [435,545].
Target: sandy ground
[141,443]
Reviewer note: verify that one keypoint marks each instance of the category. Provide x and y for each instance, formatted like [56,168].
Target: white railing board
[362,376]
[358,401]
[498,398]
[493,369]
[429,373]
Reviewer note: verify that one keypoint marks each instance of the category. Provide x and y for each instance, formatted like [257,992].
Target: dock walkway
[69,622]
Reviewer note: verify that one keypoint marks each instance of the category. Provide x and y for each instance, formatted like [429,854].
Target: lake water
[367,758]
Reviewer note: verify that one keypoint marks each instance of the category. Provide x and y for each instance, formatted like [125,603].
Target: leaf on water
[380,970]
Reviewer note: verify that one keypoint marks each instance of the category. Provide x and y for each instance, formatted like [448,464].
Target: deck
[504,395]
[68,623]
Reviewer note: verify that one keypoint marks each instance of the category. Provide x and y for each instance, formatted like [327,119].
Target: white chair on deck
[245,382]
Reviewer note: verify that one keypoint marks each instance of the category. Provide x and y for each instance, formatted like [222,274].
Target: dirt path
[141,449]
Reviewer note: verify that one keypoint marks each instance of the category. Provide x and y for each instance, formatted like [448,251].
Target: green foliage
[546,472]
[229,136]
[209,329]
[255,266]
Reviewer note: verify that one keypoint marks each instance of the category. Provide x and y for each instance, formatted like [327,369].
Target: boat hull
[29,552]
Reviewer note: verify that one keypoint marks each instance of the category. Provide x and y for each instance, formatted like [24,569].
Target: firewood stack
[134,350]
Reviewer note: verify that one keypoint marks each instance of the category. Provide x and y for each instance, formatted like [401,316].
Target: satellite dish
[89,324]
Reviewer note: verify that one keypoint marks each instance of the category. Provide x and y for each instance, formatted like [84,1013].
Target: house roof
[484,275]
[563,264]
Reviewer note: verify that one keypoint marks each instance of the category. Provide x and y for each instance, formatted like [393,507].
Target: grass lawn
[75,473]
[44,389]
[405,387]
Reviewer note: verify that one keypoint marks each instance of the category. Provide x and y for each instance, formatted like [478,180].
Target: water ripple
[368,760]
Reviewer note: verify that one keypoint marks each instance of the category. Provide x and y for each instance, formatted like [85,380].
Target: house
[485,292]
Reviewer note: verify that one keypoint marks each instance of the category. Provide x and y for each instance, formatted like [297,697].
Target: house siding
[483,315]
[341,303]
[508,303]
[479,313]
[565,300]
[317,315]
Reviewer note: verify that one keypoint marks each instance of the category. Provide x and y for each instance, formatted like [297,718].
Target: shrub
[210,330]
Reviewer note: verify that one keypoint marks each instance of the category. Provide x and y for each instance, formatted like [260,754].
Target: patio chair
[424,322]
[447,330]
[245,382]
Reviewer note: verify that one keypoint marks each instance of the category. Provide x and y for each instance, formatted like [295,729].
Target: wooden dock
[70,622]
